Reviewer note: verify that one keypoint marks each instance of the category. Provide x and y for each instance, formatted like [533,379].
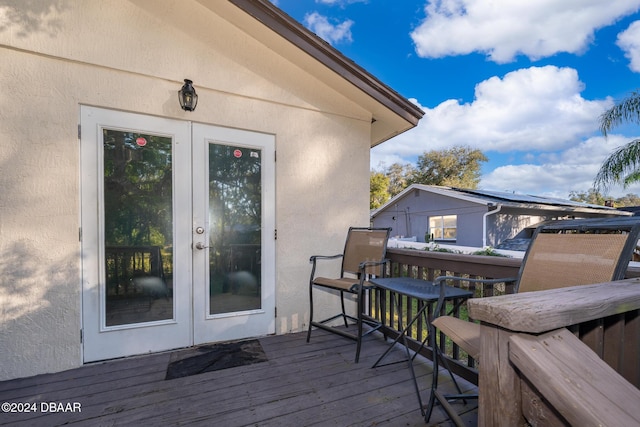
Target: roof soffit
[392,114]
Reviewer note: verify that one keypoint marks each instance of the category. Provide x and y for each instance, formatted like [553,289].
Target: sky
[525,82]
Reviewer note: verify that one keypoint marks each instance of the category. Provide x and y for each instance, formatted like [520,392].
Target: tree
[593,196]
[459,166]
[455,167]
[623,165]
[378,191]
[628,200]
[399,177]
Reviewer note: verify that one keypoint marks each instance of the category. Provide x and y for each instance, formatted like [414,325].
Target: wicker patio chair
[363,257]
[561,253]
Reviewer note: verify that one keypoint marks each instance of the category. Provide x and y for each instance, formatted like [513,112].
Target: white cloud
[537,112]
[629,42]
[503,29]
[573,169]
[531,109]
[331,32]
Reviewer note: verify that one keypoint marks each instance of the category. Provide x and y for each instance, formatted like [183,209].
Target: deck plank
[301,384]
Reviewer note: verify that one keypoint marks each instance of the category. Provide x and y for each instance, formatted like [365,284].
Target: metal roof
[529,198]
[494,198]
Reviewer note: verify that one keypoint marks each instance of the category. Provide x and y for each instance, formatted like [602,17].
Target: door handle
[200,246]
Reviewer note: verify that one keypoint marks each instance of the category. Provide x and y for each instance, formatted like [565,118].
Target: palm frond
[621,167]
[631,178]
[626,111]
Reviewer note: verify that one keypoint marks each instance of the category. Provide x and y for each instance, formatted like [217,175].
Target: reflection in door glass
[235,218]
[138,227]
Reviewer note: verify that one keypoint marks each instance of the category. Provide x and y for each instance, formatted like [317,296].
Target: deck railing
[598,334]
[557,370]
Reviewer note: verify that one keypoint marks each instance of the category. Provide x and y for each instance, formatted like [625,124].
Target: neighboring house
[129,225]
[635,210]
[474,218]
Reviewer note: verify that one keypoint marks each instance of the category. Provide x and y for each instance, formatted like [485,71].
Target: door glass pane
[138,227]
[235,218]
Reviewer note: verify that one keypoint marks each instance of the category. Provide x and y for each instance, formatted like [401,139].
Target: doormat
[208,358]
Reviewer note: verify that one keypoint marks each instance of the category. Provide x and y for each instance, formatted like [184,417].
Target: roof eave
[287,27]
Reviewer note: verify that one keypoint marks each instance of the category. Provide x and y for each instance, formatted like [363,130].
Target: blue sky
[523,81]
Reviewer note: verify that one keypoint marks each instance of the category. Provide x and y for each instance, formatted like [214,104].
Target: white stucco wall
[132,56]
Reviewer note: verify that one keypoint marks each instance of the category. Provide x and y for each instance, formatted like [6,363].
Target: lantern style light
[187,96]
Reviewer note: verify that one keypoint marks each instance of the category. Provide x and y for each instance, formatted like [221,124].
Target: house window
[443,227]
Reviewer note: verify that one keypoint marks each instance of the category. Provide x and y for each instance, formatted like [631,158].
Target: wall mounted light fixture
[187,96]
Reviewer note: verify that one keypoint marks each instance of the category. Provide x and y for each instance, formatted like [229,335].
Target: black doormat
[214,357]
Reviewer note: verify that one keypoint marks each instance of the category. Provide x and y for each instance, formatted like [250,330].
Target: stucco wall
[132,56]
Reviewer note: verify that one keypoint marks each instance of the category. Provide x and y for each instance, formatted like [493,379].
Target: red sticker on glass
[237,154]
[141,142]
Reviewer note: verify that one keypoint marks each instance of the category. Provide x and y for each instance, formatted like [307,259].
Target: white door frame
[190,323]
[234,325]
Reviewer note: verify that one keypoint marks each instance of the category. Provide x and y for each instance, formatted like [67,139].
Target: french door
[177,233]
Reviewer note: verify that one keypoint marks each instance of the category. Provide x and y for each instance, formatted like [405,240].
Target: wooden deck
[314,384]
